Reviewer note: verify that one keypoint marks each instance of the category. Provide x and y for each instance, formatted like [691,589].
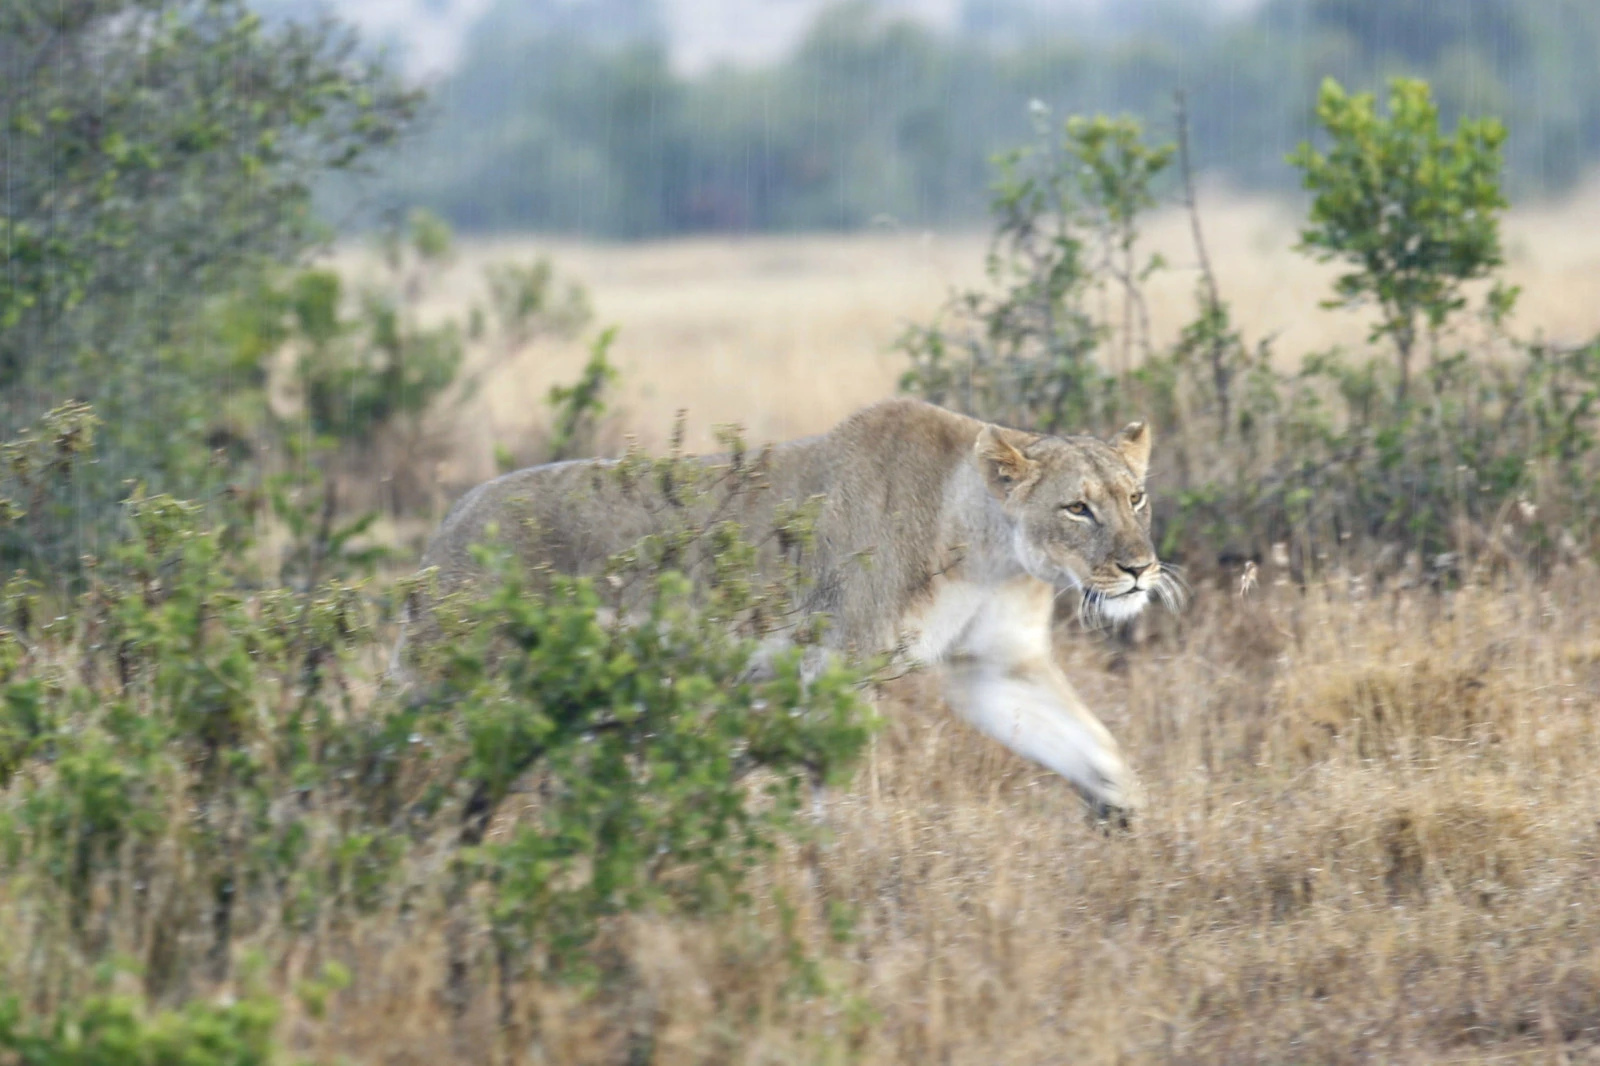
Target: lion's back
[568,516]
[882,475]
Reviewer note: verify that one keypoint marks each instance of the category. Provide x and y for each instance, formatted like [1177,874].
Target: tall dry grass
[1373,836]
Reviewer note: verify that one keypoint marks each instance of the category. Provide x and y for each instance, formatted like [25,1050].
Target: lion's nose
[1138,570]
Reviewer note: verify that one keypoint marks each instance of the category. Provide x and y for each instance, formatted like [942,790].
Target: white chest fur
[998,621]
[933,630]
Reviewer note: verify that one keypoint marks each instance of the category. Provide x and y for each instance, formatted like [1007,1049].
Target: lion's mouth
[1100,605]
[1164,586]
[1123,603]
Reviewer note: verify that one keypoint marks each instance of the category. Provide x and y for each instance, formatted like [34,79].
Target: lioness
[972,531]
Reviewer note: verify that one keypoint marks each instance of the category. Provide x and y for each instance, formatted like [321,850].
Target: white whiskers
[1091,614]
[1170,588]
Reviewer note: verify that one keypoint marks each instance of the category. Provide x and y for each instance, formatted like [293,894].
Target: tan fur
[937,532]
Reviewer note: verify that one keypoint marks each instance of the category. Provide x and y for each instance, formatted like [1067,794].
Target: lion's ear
[1133,444]
[1003,466]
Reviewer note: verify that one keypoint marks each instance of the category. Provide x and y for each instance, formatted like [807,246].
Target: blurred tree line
[572,118]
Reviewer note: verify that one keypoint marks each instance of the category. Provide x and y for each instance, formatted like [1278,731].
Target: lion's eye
[1078,509]
[1137,499]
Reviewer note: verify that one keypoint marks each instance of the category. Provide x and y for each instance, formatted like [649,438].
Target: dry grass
[1372,836]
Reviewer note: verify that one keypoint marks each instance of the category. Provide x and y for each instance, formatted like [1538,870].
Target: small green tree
[667,763]
[1414,211]
[381,368]
[1116,173]
[118,1029]
[375,382]
[1066,209]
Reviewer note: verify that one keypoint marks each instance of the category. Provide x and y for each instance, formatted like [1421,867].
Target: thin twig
[1213,300]
[1219,369]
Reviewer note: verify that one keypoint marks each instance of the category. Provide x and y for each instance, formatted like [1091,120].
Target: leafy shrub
[194,758]
[647,739]
[32,466]
[159,153]
[371,376]
[382,369]
[115,1031]
[578,406]
[1414,213]
[527,302]
[197,704]
[1065,226]
[1491,460]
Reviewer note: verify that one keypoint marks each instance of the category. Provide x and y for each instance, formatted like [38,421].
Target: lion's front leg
[1031,708]
[1002,678]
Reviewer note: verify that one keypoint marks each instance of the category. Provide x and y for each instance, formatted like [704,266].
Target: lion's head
[1080,514]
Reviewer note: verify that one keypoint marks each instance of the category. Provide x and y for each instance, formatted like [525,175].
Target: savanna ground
[1373,830]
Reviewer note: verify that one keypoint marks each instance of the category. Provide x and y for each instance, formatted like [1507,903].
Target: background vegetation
[1339,457]
[573,119]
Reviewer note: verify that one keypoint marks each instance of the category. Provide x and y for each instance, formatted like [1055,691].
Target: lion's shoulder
[895,455]
[905,430]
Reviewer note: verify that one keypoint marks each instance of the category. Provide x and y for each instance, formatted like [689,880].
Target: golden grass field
[787,335]
[1373,832]
[1373,835]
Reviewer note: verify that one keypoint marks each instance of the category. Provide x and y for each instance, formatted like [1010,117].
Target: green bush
[649,740]
[1066,217]
[1416,214]
[196,703]
[359,376]
[33,516]
[578,406]
[195,758]
[117,1031]
[369,372]
[1337,463]
[160,153]
[369,383]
